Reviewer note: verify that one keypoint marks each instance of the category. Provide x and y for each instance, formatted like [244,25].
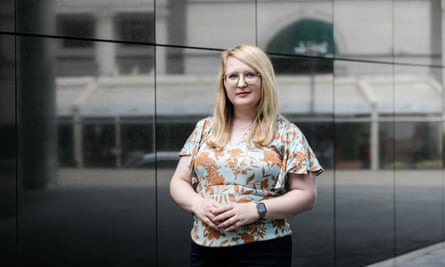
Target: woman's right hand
[184,195]
[204,210]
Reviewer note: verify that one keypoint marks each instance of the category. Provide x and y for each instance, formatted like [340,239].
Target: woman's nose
[241,81]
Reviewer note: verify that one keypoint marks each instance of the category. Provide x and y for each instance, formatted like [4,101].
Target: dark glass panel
[363,190]
[8,144]
[82,207]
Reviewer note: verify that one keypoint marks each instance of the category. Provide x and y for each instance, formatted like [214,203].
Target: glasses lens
[248,77]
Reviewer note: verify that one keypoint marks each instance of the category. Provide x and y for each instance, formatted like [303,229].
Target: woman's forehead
[234,64]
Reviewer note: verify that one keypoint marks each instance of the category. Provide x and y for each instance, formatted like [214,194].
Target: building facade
[97,97]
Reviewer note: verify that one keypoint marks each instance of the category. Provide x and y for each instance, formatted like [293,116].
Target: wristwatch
[261,208]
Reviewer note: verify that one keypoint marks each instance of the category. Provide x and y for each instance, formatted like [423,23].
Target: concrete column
[437,37]
[161,37]
[442,80]
[176,33]
[105,51]
[37,138]
[374,138]
[118,141]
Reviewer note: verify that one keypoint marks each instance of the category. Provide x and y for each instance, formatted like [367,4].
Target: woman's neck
[241,125]
[244,116]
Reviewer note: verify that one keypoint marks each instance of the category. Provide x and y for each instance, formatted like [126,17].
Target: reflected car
[160,159]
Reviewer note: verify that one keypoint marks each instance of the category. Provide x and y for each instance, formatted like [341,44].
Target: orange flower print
[264,184]
[244,174]
[247,238]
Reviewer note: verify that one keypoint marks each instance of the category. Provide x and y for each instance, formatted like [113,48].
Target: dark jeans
[276,252]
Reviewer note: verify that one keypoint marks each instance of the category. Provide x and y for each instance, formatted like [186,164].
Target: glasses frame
[256,77]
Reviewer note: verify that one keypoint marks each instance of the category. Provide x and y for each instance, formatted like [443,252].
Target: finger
[213,206]
[210,223]
[224,217]
[221,209]
[213,219]
[209,217]
[227,222]
[224,213]
[232,226]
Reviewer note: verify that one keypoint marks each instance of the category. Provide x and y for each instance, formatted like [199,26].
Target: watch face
[261,209]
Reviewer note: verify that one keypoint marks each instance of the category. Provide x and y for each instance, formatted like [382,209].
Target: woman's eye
[250,75]
[233,76]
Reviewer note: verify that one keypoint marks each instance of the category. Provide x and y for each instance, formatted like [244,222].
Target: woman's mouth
[242,94]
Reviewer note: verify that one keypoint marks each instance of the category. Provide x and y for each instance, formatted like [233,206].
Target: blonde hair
[262,130]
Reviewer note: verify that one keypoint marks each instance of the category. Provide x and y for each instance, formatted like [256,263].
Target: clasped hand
[226,217]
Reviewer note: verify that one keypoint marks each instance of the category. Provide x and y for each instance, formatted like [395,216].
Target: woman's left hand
[235,215]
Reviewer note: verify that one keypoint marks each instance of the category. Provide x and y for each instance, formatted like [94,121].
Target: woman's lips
[242,93]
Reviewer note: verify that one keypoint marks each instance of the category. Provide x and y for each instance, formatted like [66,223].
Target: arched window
[309,38]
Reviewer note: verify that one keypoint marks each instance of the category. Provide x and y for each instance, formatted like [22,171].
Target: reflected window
[352,145]
[65,146]
[76,26]
[135,27]
[411,145]
[137,141]
[99,145]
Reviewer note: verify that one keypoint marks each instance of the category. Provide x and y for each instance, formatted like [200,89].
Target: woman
[245,170]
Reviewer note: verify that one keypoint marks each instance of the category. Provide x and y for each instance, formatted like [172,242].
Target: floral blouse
[242,173]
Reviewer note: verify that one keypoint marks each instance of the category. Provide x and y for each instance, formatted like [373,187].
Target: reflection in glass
[363,190]
[93,204]
[299,36]
[304,37]
[8,144]
[364,29]
[418,158]
[99,124]
[128,21]
[213,24]
[135,27]
[181,100]
[423,24]
[76,26]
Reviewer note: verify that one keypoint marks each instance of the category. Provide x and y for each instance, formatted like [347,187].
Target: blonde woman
[245,170]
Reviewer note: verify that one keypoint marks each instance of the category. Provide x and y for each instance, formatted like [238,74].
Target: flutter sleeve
[298,156]
[194,142]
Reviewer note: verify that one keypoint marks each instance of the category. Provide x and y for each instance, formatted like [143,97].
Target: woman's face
[242,84]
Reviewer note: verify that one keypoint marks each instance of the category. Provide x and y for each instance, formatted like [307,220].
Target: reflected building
[302,41]
[97,97]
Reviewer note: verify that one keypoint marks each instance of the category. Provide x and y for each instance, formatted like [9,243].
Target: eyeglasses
[248,77]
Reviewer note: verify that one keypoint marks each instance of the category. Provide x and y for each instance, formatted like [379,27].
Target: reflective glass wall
[8,123]
[97,98]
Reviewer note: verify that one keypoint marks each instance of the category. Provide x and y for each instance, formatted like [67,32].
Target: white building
[334,61]
[381,33]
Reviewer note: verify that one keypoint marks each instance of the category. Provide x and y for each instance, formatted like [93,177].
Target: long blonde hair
[262,130]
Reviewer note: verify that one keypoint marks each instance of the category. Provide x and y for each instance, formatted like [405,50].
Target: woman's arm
[185,197]
[301,197]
